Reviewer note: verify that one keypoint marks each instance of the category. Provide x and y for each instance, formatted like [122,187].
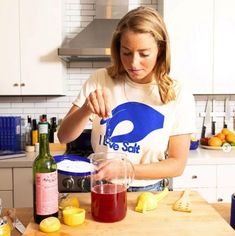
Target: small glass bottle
[52,131]
[28,132]
[45,179]
[34,132]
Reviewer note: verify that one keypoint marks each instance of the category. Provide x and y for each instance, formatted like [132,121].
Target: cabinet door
[224,194]
[41,35]
[23,187]
[196,176]
[225,182]
[6,179]
[226,176]
[224,47]
[6,197]
[9,48]
[190,27]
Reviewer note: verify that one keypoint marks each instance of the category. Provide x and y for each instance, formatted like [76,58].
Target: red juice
[108,202]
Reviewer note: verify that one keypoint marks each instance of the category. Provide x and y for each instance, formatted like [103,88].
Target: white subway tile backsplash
[10,111]
[24,105]
[88,12]
[5,105]
[81,64]
[87,1]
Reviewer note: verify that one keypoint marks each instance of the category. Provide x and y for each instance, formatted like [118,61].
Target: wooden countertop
[205,219]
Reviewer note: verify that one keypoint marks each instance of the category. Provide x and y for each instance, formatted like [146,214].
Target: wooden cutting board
[203,220]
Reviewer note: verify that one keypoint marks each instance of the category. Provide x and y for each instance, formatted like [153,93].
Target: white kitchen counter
[199,156]
[209,157]
[26,161]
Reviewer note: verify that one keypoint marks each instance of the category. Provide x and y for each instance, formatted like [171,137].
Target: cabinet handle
[22,84]
[220,199]
[194,177]
[15,84]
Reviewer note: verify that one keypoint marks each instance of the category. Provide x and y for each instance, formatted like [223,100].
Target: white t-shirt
[141,124]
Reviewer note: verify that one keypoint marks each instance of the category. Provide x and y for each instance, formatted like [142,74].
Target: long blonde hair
[145,20]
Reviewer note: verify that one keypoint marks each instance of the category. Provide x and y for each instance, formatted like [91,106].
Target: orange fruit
[230,138]
[215,142]
[225,131]
[221,136]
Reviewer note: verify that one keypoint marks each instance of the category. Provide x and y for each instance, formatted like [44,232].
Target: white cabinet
[23,187]
[32,32]
[6,187]
[202,36]
[224,46]
[225,182]
[214,182]
[9,47]
[189,24]
[16,187]
[201,178]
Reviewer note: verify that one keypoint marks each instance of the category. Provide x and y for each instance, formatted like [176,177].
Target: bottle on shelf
[34,132]
[22,134]
[45,179]
[53,128]
[28,131]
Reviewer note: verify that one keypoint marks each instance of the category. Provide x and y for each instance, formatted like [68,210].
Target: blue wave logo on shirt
[143,117]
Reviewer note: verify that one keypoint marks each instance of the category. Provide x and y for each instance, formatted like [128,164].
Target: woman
[134,105]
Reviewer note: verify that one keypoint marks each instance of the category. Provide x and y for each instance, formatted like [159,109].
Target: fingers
[105,170]
[98,101]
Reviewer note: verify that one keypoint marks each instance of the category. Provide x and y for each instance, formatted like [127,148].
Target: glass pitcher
[113,173]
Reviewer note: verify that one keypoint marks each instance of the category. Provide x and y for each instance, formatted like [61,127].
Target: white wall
[77,14]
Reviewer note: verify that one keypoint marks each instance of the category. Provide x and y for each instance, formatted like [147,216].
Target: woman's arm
[178,150]
[73,124]
[76,119]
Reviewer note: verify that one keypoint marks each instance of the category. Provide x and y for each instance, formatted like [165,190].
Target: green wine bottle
[45,179]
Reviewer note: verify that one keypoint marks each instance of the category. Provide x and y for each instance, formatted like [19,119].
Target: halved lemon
[50,224]
[5,230]
[73,216]
[69,201]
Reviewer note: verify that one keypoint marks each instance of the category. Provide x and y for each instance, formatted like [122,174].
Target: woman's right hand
[98,102]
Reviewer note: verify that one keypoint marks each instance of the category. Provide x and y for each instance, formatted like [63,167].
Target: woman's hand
[117,169]
[108,170]
[98,102]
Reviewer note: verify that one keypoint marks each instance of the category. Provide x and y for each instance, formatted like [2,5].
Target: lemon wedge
[5,230]
[69,201]
[73,216]
[148,201]
[50,224]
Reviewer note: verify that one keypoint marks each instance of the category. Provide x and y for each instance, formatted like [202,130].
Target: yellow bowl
[73,216]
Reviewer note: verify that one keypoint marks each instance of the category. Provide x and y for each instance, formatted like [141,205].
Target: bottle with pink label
[45,180]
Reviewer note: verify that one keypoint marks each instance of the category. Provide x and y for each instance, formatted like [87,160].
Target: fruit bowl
[194,144]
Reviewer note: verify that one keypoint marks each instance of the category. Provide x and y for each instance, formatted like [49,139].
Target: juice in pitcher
[108,202]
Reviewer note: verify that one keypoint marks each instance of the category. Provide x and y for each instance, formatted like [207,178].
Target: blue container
[72,158]
[194,145]
[232,215]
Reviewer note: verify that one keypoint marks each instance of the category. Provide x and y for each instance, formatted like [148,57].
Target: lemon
[69,201]
[5,230]
[73,216]
[50,224]
[148,201]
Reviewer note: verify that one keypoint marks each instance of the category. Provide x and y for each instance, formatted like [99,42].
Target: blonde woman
[134,105]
